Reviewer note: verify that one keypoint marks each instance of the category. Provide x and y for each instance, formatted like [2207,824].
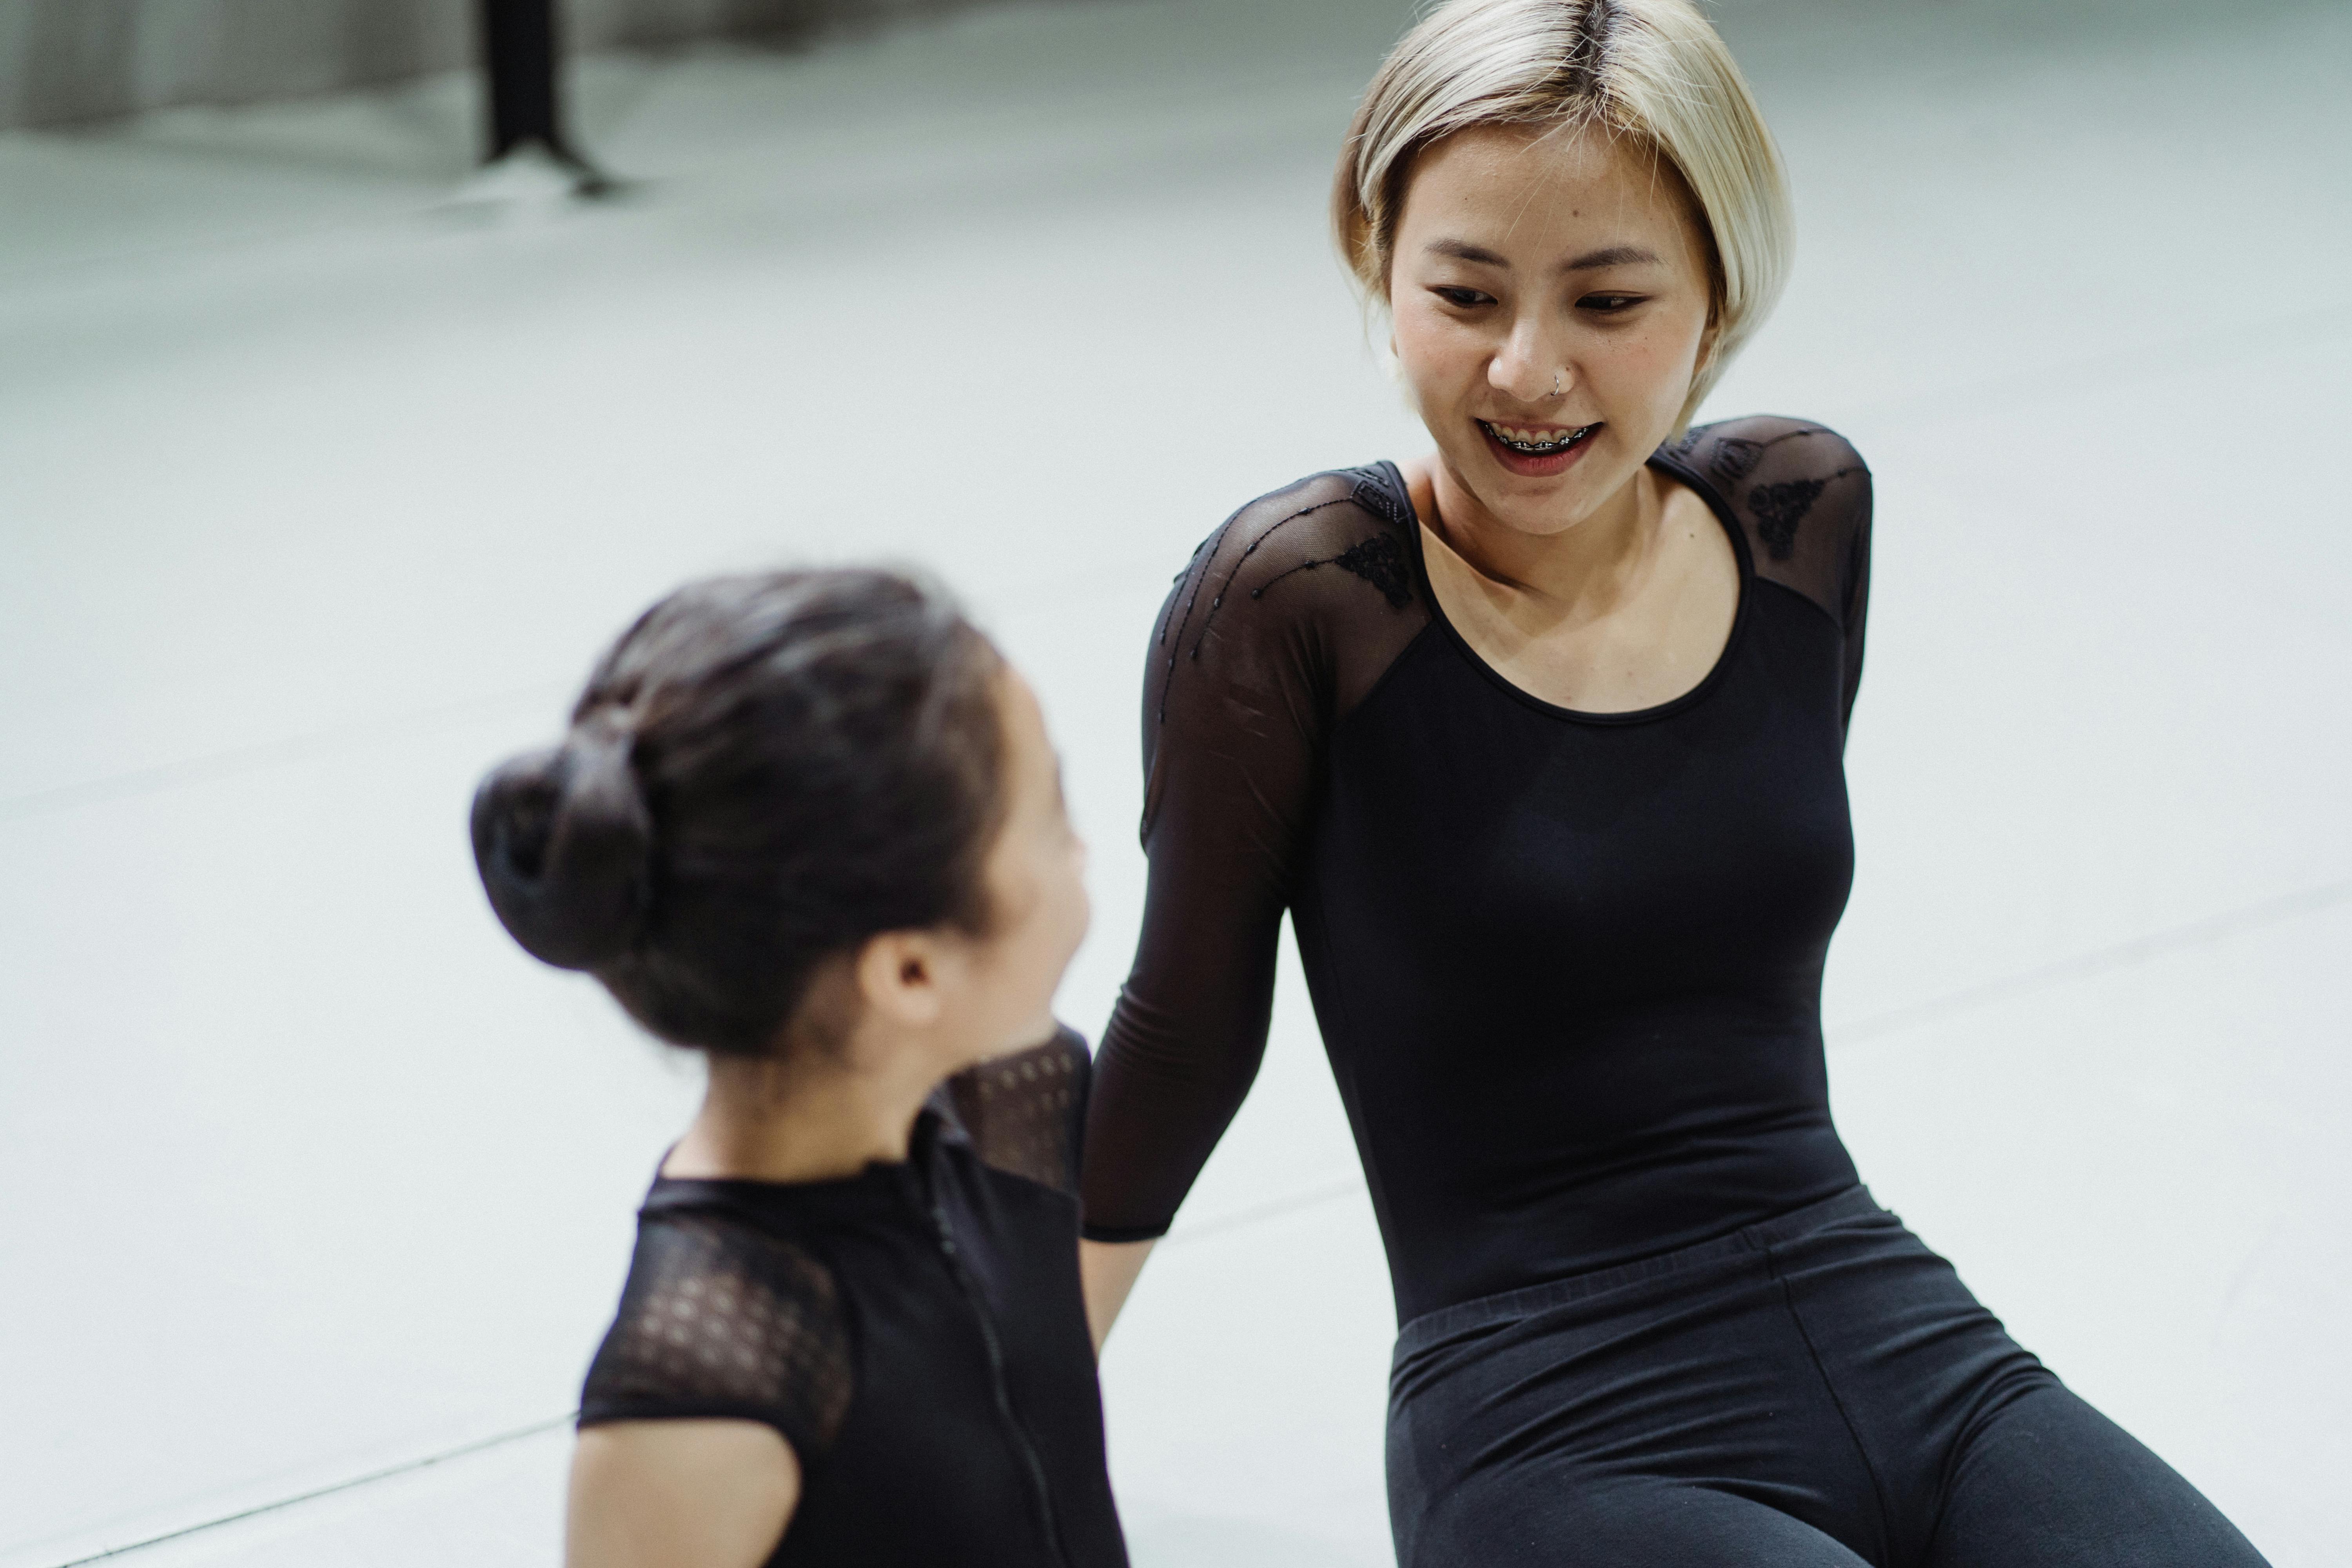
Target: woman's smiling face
[1551,294]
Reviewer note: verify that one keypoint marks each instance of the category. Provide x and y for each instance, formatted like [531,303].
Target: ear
[1708,341]
[898,978]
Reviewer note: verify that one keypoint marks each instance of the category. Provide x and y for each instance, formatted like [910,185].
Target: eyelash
[1605,304]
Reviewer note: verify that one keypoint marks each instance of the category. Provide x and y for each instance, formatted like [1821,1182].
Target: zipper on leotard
[1018,1433]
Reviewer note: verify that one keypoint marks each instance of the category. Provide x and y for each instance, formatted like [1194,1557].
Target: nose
[1529,367]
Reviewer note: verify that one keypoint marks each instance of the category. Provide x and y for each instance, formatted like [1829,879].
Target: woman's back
[915,1320]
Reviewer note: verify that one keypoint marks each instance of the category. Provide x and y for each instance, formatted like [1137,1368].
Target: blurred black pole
[521,61]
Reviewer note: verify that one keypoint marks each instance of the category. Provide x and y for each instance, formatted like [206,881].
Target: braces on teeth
[1565,439]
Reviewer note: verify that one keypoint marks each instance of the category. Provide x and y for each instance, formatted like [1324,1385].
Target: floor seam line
[2101,960]
[262,755]
[406,1467]
[1273,1208]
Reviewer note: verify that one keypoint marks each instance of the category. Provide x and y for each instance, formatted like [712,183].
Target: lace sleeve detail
[720,1319]
[1285,617]
[1803,495]
[1027,1113]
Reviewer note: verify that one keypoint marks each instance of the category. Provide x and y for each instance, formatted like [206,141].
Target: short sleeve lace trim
[1027,1113]
[720,1319]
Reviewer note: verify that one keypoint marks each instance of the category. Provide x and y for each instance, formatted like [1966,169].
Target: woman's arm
[679,1494]
[1286,616]
[1232,723]
[1107,1270]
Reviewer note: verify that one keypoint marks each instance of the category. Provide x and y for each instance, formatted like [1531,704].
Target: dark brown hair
[763,773]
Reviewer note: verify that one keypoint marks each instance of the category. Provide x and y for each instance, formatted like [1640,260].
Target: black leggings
[1819,1391]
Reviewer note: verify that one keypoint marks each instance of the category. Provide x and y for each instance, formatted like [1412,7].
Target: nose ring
[1555,383]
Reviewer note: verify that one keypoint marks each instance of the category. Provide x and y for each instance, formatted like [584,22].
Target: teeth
[1533,442]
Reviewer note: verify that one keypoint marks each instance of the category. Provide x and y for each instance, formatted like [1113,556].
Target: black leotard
[1568,968]
[914,1331]
[1567,965]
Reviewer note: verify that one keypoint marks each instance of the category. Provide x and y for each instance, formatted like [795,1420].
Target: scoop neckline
[1744,558]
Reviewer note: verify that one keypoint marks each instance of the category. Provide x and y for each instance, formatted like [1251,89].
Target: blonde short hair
[1650,71]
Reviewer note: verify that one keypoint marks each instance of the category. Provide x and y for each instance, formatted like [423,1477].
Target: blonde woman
[1538,738]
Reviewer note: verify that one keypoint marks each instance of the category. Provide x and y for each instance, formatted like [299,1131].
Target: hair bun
[564,845]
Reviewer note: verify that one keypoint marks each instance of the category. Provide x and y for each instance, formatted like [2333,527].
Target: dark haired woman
[810,825]
[1539,740]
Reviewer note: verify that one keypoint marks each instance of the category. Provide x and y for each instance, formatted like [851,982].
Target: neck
[800,1122]
[1584,568]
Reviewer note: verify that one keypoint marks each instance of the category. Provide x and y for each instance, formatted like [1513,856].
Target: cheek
[1649,367]
[1074,912]
[1056,913]
[1437,355]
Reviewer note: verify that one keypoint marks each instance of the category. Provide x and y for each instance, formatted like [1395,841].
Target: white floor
[317,491]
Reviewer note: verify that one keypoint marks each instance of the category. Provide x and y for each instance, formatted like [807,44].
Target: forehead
[1028,748]
[1513,189]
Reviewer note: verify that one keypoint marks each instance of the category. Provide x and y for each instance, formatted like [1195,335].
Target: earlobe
[897,979]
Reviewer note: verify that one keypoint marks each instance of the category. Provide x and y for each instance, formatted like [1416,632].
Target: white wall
[71,61]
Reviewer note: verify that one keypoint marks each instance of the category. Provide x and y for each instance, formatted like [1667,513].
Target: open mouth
[1547,443]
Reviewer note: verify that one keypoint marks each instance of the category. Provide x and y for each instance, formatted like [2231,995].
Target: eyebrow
[1462,250]
[1614,256]
[1611,255]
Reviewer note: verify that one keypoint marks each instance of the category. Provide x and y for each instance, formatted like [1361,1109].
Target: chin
[1539,506]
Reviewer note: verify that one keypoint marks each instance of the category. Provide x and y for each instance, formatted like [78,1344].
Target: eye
[1609,304]
[1462,298]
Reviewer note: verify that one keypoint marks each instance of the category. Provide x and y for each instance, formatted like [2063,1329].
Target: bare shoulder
[655,1494]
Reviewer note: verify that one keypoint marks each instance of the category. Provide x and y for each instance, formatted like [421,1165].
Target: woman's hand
[679,1494]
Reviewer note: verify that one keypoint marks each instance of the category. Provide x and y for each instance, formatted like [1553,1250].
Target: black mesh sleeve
[1855,594]
[1803,495]
[1027,1113]
[719,1320]
[1284,619]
